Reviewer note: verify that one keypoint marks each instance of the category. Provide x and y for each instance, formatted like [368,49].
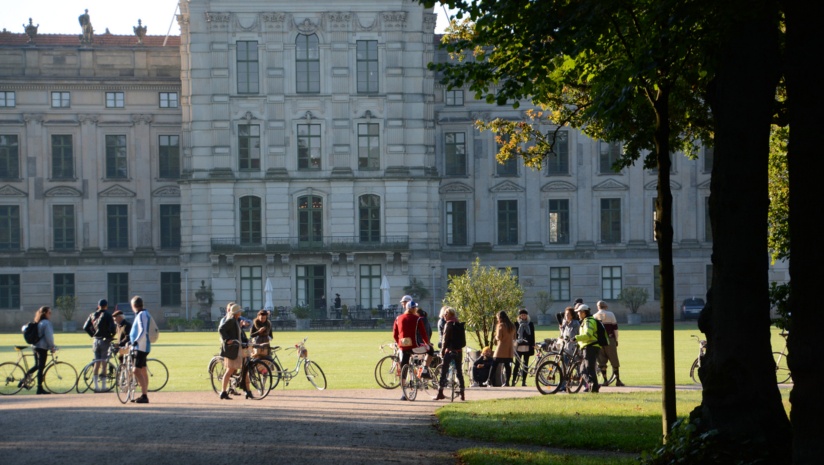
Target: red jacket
[406,325]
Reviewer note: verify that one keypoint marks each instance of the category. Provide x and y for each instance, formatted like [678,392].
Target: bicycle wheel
[387,372]
[315,375]
[260,378]
[548,377]
[432,384]
[60,377]
[124,387]
[12,377]
[409,382]
[216,372]
[694,371]
[453,381]
[84,379]
[157,374]
[575,379]
[516,371]
[782,371]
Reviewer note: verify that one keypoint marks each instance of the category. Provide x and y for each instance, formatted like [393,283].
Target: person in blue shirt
[140,342]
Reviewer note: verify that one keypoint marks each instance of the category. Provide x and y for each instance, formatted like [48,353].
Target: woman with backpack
[454,340]
[505,350]
[45,343]
[526,343]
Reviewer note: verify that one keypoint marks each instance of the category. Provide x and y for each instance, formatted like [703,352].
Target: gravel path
[369,426]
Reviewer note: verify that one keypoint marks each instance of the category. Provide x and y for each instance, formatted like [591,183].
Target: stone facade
[317,152]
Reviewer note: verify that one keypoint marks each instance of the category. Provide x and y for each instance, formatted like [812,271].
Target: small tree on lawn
[479,294]
[66,305]
[633,298]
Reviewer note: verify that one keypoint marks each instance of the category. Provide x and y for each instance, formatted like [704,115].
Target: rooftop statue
[88,31]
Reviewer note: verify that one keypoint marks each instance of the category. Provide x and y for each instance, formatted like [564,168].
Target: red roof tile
[73,40]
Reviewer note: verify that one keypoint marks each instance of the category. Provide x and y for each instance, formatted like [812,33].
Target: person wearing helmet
[587,340]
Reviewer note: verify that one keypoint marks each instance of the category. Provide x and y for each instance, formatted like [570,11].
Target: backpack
[31,333]
[458,339]
[154,331]
[603,340]
[92,324]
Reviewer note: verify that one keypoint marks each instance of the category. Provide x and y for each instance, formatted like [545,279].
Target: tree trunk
[740,397]
[804,80]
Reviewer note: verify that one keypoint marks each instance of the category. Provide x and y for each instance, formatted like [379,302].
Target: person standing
[139,337]
[505,350]
[526,340]
[261,334]
[45,343]
[430,354]
[231,349]
[441,323]
[610,352]
[100,325]
[587,340]
[451,352]
[337,305]
[123,330]
[405,331]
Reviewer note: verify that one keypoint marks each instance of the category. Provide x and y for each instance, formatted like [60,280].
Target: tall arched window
[307,64]
[310,220]
[369,216]
[250,220]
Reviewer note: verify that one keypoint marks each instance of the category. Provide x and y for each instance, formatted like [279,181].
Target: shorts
[101,349]
[140,359]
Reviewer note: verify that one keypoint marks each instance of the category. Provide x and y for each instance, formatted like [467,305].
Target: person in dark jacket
[100,325]
[450,352]
[232,350]
[525,338]
[44,344]
[123,330]
[481,367]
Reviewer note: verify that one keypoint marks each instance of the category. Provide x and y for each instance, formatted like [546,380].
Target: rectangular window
[169,157]
[367,61]
[370,286]
[170,226]
[709,155]
[115,100]
[10,291]
[248,142]
[9,157]
[454,98]
[247,67]
[63,225]
[656,282]
[456,222]
[558,160]
[117,226]
[307,64]
[309,146]
[369,218]
[63,285]
[707,221]
[559,283]
[117,285]
[61,99]
[9,227]
[558,221]
[116,160]
[7,99]
[610,221]
[168,100]
[62,156]
[169,289]
[610,153]
[250,220]
[610,282]
[311,287]
[251,287]
[369,156]
[508,168]
[507,222]
[455,153]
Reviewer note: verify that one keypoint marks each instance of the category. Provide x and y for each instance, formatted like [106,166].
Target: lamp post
[186,277]
[433,287]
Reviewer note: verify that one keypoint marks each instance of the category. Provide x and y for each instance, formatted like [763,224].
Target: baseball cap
[413,304]
[102,303]
[406,298]
[582,308]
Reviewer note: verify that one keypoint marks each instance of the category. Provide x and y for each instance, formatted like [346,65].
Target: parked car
[691,308]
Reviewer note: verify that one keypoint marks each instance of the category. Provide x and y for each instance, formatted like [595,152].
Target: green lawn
[348,357]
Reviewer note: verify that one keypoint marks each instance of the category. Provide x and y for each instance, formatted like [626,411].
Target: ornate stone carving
[140,31]
[610,185]
[394,19]
[142,119]
[166,191]
[339,21]
[556,186]
[31,30]
[307,26]
[8,191]
[506,186]
[116,191]
[429,21]
[274,17]
[456,187]
[253,26]
[87,119]
[33,118]
[215,259]
[218,21]
[63,191]
[183,20]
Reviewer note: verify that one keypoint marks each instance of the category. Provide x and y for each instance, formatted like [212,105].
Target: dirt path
[369,426]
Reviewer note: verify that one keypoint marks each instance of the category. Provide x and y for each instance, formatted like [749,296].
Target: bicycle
[263,377]
[388,370]
[412,379]
[702,350]
[311,369]
[562,372]
[156,371]
[782,371]
[58,377]
[542,350]
[125,381]
[451,379]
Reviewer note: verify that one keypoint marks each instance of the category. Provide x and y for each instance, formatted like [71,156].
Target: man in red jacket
[407,329]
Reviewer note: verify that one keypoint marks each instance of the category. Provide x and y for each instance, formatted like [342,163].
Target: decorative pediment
[506,186]
[559,186]
[610,185]
[456,188]
[9,191]
[704,185]
[166,191]
[116,191]
[63,191]
[653,186]
[307,26]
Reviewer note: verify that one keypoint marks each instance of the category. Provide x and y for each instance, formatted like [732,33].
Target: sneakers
[144,399]
[225,396]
